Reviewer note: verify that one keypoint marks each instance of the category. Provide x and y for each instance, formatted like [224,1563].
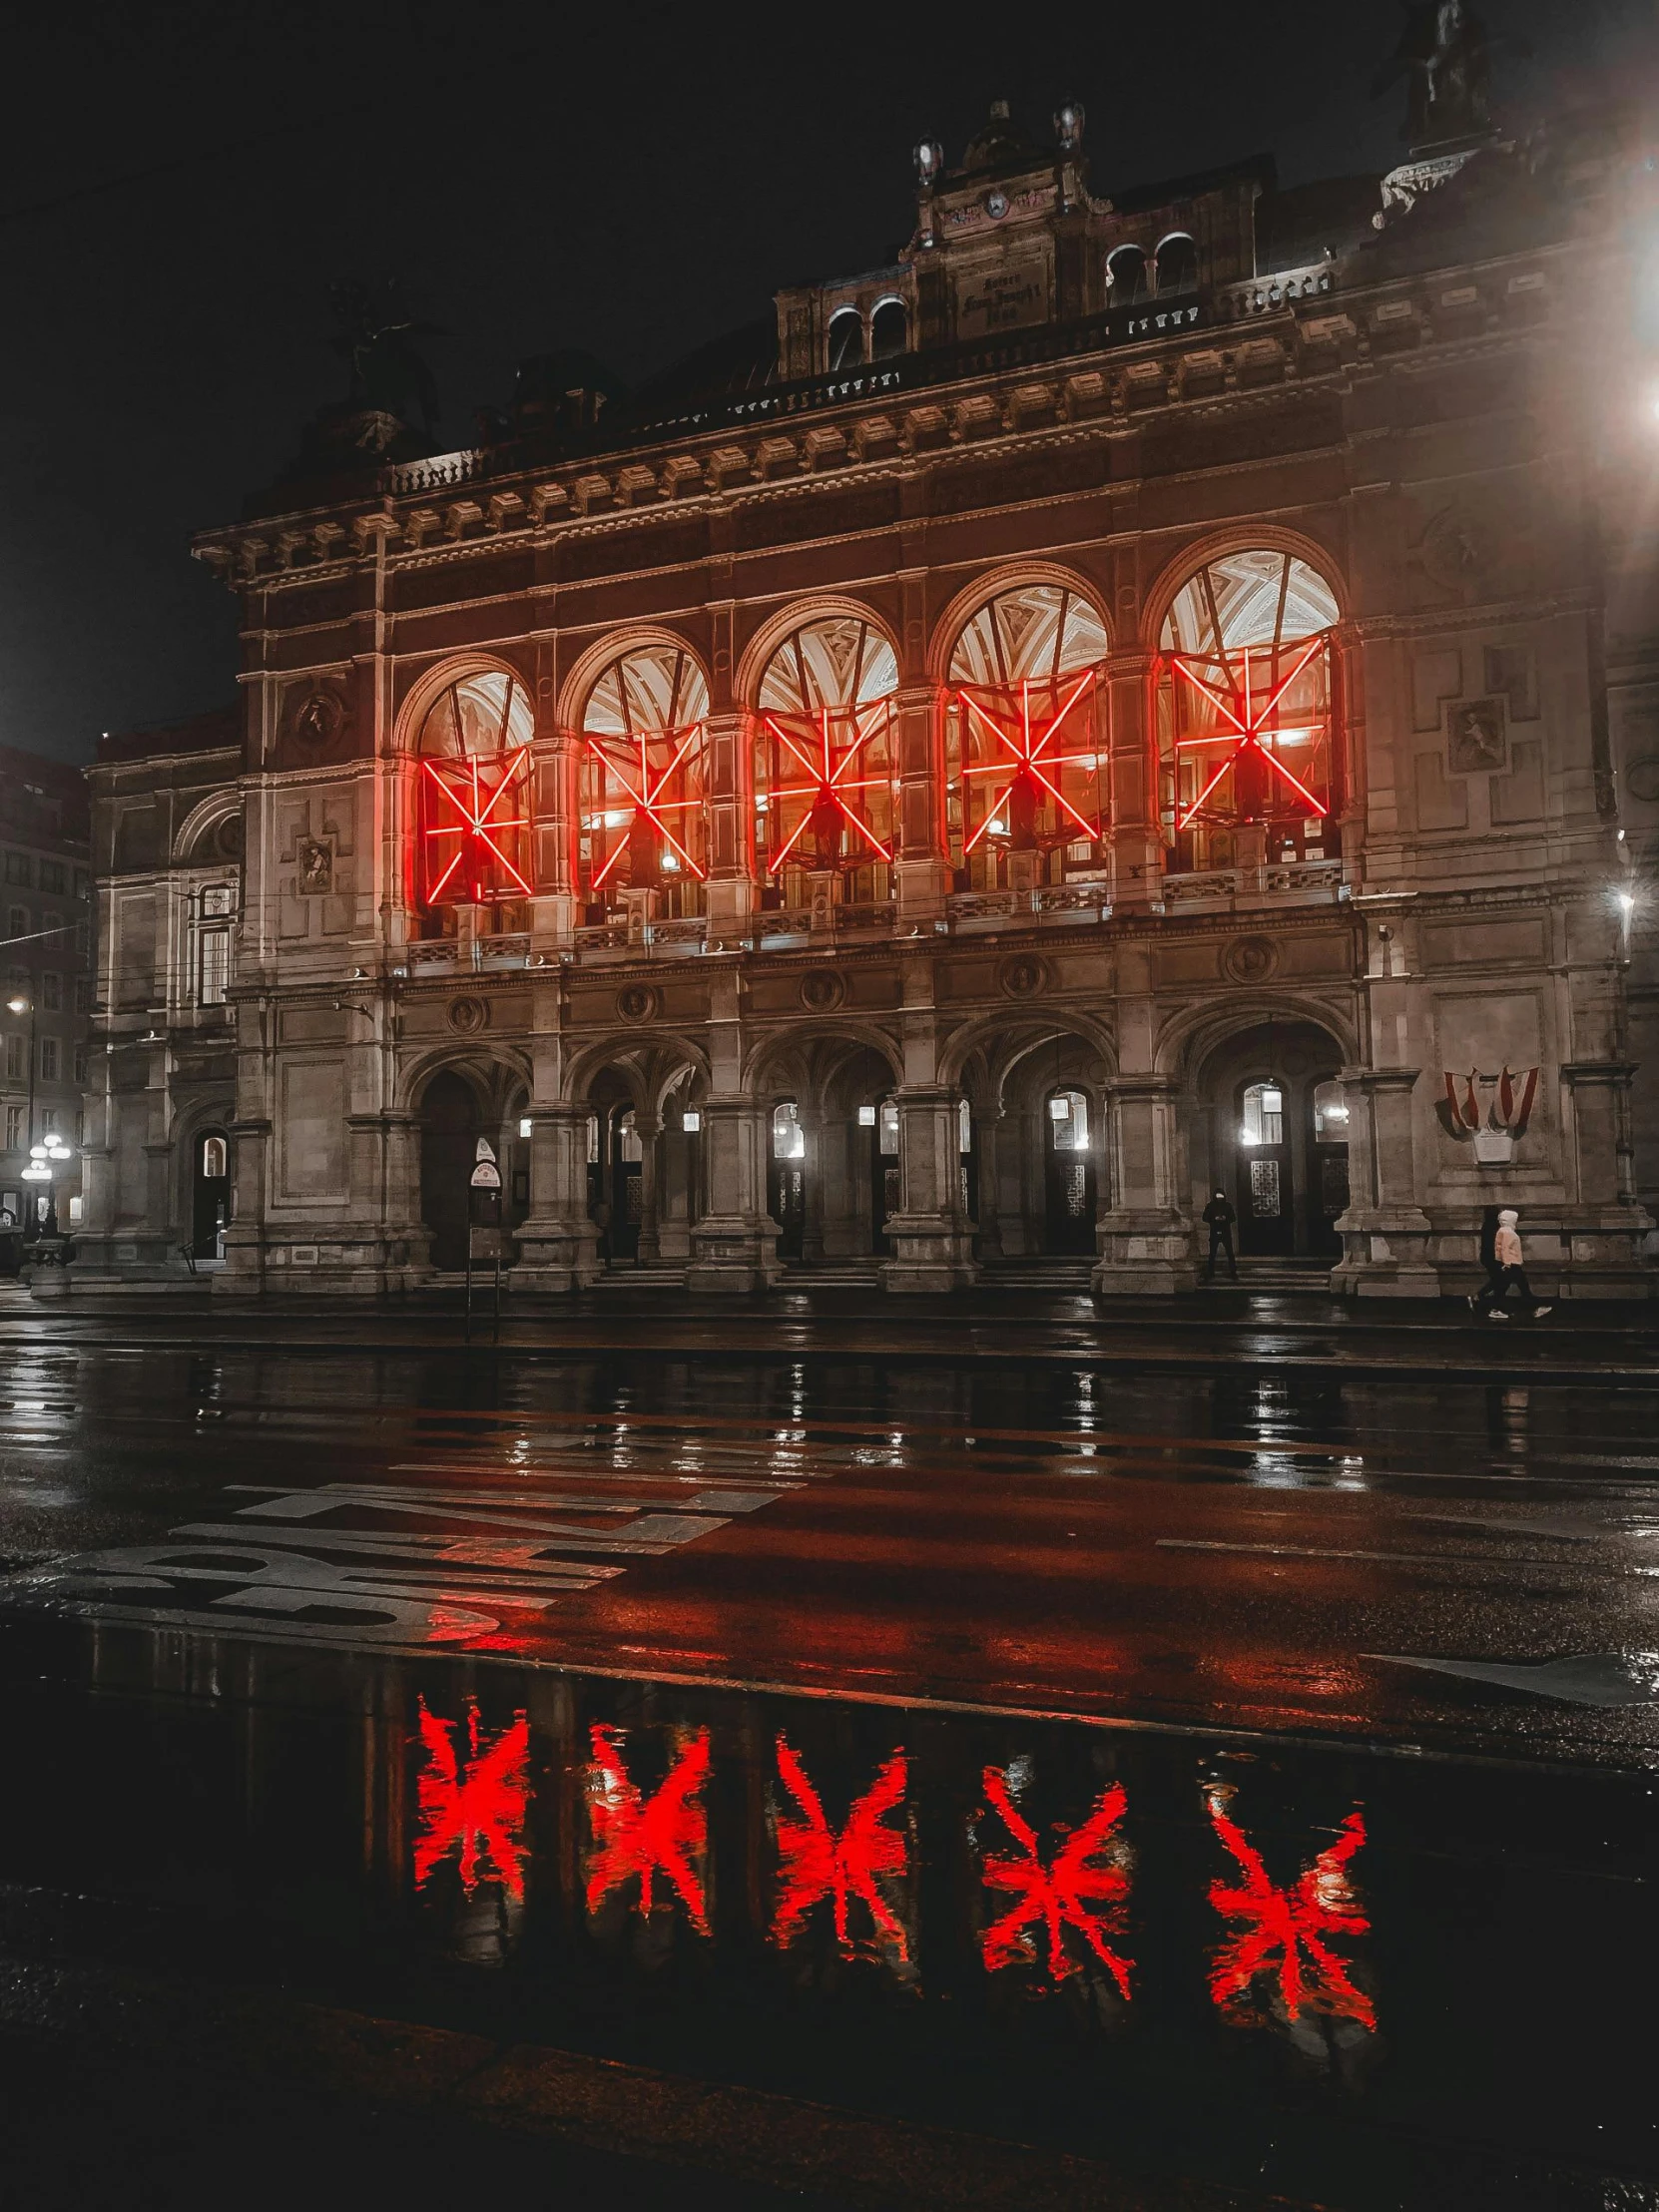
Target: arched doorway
[209,1192]
[449,1125]
[1270,1129]
[1068,1174]
[786,1177]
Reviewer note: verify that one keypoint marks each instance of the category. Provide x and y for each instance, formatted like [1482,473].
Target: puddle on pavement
[1371,1981]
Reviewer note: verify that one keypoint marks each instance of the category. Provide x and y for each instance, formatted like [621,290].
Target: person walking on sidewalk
[1219,1218]
[1509,1273]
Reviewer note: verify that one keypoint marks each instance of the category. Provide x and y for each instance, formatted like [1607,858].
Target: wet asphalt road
[343,1652]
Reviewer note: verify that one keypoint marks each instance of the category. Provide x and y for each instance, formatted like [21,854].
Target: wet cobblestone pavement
[1193,1787]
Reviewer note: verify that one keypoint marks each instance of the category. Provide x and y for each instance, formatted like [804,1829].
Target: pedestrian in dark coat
[1219,1218]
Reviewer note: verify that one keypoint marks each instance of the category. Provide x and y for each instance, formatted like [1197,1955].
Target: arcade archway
[1269,1126]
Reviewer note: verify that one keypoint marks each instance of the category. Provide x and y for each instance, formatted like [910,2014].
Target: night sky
[179,187]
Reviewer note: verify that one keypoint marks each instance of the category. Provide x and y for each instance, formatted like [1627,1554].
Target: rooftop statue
[1445,54]
[389,375]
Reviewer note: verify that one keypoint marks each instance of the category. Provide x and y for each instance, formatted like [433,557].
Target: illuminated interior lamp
[1627,899]
[1060,1110]
[691,1121]
[1245,1137]
[867,1117]
[524,1125]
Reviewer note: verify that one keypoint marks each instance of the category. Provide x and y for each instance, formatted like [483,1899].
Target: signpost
[485,1178]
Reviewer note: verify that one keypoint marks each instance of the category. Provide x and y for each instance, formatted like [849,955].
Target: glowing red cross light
[828,763]
[1072,1891]
[474,791]
[645,792]
[1287,1932]
[637,1838]
[1251,722]
[814,1862]
[475,1808]
[1026,752]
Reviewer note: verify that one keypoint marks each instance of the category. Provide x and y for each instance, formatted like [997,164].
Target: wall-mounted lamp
[691,1121]
[867,1117]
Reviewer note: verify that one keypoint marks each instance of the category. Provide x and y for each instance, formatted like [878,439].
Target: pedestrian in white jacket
[1508,1275]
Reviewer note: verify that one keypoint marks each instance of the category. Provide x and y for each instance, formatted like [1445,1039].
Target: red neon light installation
[1084,1885]
[815,1862]
[636,1838]
[473,1807]
[1025,731]
[825,749]
[646,768]
[1287,1933]
[475,816]
[1253,725]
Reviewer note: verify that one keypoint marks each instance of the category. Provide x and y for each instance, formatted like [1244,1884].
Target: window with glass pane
[824,759]
[1068,1113]
[1263,1114]
[1025,739]
[889,1133]
[49,1059]
[214,957]
[51,991]
[475,826]
[1244,711]
[1330,1113]
[789,1139]
[644,780]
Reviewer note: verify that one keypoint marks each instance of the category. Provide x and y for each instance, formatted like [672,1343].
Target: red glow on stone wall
[1073,1890]
[816,1864]
[473,1807]
[1286,1933]
[637,1838]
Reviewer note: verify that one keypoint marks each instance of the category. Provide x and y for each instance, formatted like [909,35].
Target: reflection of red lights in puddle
[1068,1892]
[637,1836]
[815,1862]
[1286,1932]
[477,1808]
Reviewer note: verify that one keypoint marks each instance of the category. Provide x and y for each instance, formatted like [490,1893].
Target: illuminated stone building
[1126,700]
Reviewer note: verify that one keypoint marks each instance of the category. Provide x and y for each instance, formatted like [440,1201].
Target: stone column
[930,1235]
[988,1129]
[734,1245]
[1385,1231]
[558,1245]
[1144,1235]
[554,910]
[1137,837]
[921,867]
[1348,746]
[1608,1222]
[731,887]
[245,1233]
[811,1227]
[650,1133]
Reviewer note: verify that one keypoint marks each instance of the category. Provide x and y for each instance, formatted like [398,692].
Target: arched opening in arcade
[1026,740]
[458,1106]
[645,1158]
[1247,774]
[833,1180]
[476,828]
[1270,1128]
[642,786]
[824,761]
[1040,1171]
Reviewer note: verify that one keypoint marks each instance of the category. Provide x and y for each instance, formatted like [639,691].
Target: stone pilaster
[1385,1232]
[930,1235]
[1144,1235]
[734,1245]
[1136,834]
[558,1245]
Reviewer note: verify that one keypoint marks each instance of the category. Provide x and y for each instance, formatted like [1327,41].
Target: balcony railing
[1047,902]
[1305,879]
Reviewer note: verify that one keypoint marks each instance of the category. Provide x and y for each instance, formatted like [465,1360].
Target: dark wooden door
[1069,1213]
[210,1199]
[449,1137]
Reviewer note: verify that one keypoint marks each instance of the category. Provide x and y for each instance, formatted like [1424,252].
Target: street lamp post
[31,1227]
[45,1159]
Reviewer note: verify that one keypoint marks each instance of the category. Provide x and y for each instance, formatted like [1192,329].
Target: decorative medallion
[317,720]
[1250,959]
[1022,977]
[823,990]
[1456,548]
[1642,779]
[468,1016]
[996,203]
[638,1001]
[1475,737]
[228,836]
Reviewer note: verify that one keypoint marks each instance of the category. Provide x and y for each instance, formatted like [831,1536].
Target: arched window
[214,1158]
[1330,1113]
[475,827]
[823,757]
[1025,737]
[1243,710]
[890,330]
[1068,1111]
[642,780]
[1176,266]
[1126,278]
[789,1139]
[846,340]
[1263,1114]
